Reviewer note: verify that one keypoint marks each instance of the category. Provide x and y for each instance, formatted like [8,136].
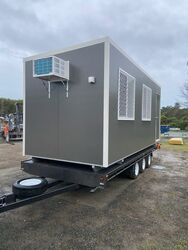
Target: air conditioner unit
[51,68]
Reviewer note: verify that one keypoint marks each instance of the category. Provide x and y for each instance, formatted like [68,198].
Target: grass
[180,148]
[180,245]
[177,245]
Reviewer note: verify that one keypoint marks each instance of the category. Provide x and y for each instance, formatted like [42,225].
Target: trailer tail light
[103,180]
[158,146]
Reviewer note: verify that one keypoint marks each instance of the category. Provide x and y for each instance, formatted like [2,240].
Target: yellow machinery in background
[176,141]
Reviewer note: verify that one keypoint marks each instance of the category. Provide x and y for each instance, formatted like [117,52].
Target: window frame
[126,118]
[150,115]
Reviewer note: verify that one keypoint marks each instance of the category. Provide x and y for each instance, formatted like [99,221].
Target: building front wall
[61,128]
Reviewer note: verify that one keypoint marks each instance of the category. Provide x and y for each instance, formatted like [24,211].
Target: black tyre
[149,159]
[133,172]
[28,187]
[142,165]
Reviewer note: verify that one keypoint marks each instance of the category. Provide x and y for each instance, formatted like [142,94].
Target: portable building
[89,104]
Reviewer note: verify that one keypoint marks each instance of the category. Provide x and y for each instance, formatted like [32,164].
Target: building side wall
[128,137]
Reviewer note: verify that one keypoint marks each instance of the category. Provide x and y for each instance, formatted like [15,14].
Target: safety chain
[2,201]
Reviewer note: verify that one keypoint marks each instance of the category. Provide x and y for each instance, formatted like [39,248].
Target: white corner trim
[106,102]
[24,99]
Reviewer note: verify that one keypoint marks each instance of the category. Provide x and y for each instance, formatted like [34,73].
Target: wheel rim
[149,160]
[136,169]
[143,164]
[30,182]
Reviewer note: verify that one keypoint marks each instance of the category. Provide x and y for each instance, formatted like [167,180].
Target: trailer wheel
[142,165]
[133,171]
[149,159]
[28,187]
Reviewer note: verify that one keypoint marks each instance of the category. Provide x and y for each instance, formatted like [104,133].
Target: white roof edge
[90,43]
[74,47]
[131,60]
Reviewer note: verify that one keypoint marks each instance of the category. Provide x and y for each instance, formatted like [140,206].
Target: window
[146,103]
[126,96]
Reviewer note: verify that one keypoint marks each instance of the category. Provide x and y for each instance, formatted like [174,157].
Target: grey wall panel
[68,128]
[41,135]
[127,137]
[81,115]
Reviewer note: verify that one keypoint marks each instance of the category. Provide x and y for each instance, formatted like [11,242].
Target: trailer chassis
[74,175]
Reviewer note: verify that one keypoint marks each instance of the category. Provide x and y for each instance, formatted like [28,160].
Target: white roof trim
[78,46]
[131,60]
[86,44]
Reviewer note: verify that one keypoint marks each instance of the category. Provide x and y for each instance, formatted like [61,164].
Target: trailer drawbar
[68,177]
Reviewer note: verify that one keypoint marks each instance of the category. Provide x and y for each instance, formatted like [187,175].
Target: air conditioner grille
[50,67]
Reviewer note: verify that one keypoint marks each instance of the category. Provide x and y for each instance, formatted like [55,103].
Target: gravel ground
[150,212]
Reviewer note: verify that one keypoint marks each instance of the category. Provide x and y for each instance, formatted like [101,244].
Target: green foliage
[175,116]
[7,106]
[164,119]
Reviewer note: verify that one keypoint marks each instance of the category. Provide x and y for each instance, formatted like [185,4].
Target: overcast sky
[154,33]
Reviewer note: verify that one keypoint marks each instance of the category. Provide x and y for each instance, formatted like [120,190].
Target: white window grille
[146,103]
[126,96]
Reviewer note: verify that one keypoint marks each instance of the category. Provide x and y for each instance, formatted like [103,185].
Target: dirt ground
[150,212]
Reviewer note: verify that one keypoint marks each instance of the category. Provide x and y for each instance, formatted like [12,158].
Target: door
[157,116]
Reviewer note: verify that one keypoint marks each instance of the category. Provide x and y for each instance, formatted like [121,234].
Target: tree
[175,116]
[7,106]
[177,105]
[184,92]
[171,111]
[164,120]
